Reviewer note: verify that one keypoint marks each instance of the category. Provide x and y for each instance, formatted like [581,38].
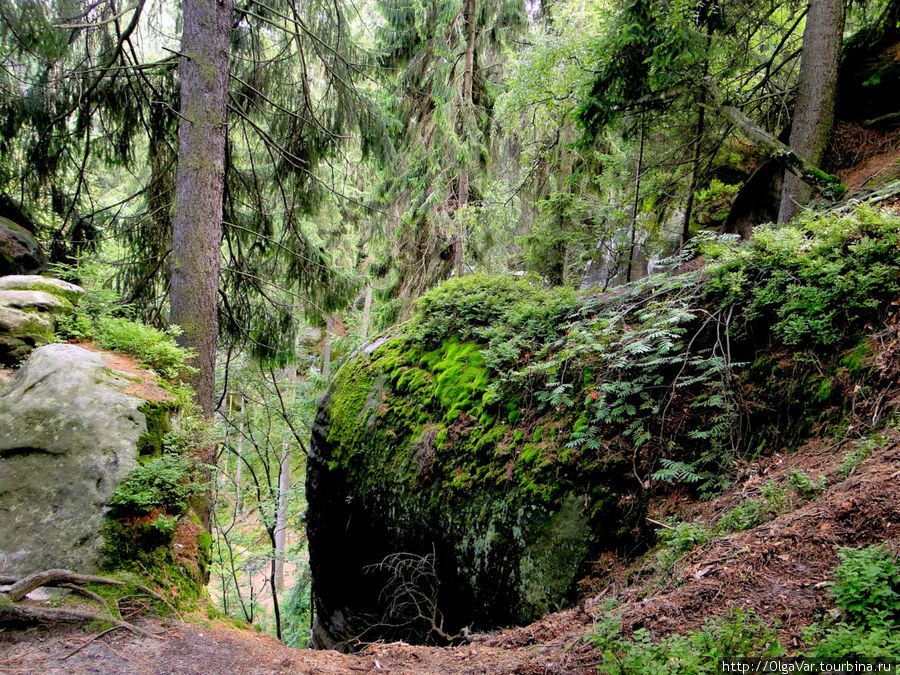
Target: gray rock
[34,282]
[28,317]
[19,251]
[68,437]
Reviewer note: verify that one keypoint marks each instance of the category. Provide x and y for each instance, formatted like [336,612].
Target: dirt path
[554,646]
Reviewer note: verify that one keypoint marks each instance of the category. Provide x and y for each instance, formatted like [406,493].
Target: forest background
[283,180]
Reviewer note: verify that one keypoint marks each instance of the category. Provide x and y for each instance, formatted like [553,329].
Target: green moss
[136,546]
[858,360]
[70,298]
[159,423]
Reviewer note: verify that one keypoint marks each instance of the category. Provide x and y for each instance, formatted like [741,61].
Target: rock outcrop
[19,252]
[29,307]
[68,436]
[437,502]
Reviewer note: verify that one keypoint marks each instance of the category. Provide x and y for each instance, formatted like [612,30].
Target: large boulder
[68,436]
[29,307]
[19,252]
[429,489]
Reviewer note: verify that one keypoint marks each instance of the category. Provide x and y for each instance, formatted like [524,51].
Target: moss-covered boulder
[29,307]
[432,486]
[19,252]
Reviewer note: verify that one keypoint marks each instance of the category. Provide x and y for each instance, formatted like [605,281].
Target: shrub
[867,589]
[816,279]
[745,516]
[867,585]
[164,482]
[508,314]
[684,538]
[752,512]
[805,486]
[855,456]
[103,318]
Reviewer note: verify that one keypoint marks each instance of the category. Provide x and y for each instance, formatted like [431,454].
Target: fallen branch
[656,522]
[828,185]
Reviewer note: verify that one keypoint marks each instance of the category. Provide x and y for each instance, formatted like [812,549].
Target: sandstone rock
[19,252]
[420,476]
[68,436]
[29,306]
[34,282]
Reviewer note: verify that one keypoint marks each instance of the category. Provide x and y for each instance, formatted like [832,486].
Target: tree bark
[695,173]
[239,465]
[284,486]
[367,310]
[813,119]
[468,86]
[326,347]
[199,184]
[637,196]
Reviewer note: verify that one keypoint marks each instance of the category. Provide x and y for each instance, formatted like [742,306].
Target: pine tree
[446,59]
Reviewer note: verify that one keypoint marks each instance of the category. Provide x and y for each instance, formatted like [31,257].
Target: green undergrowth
[866,592]
[740,633]
[103,318]
[153,504]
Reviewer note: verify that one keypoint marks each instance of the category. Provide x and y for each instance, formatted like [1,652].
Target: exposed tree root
[23,587]
[14,591]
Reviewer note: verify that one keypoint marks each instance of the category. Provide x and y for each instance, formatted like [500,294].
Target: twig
[87,642]
[656,522]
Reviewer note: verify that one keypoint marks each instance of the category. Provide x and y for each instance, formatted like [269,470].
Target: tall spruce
[444,63]
[199,186]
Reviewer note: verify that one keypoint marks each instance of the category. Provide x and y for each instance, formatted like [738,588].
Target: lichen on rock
[29,308]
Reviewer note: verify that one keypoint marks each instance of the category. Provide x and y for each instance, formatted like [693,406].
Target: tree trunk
[813,119]
[637,197]
[284,486]
[199,183]
[467,118]
[367,310]
[695,173]
[326,347]
[239,466]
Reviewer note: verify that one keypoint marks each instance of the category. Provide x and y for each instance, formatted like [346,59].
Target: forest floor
[779,569]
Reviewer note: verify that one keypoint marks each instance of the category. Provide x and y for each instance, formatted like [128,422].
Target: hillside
[779,569]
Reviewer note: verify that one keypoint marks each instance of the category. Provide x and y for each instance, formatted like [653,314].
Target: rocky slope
[467,470]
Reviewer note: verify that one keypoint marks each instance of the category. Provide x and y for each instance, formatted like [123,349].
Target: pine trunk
[199,182]
[467,118]
[367,310]
[326,347]
[814,111]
